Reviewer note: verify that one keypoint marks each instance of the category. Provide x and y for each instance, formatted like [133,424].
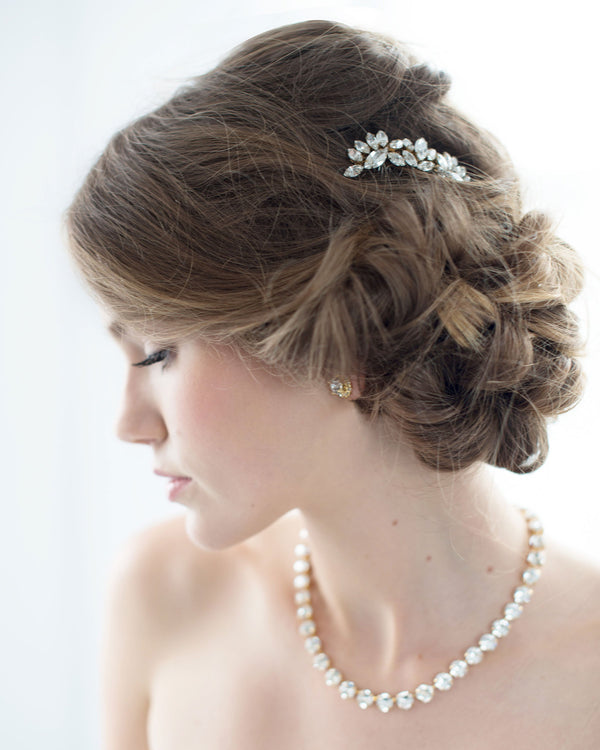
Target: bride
[337,316]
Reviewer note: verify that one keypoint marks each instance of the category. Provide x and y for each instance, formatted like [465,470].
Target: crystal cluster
[402,152]
[441,682]
[342,388]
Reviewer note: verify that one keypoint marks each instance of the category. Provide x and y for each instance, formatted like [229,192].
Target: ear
[358,386]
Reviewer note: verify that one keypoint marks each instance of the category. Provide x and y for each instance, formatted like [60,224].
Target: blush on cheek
[245,431]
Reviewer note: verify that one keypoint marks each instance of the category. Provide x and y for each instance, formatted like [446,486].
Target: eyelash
[159,356]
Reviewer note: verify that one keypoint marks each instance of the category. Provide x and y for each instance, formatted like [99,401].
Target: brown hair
[225,214]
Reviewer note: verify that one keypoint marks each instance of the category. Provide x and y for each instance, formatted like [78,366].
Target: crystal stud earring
[342,388]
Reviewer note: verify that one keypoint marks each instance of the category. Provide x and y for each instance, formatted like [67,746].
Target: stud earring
[342,388]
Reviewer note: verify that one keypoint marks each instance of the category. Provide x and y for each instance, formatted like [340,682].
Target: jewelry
[343,388]
[442,681]
[403,153]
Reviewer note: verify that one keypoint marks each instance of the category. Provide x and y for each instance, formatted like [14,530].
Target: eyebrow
[116,330]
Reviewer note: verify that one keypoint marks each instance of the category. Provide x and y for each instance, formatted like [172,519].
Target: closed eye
[158,356]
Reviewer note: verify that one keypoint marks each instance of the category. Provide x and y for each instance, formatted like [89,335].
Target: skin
[396,548]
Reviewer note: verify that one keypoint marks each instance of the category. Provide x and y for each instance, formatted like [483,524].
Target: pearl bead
[442,681]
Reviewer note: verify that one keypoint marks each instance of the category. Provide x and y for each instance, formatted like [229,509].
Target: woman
[337,316]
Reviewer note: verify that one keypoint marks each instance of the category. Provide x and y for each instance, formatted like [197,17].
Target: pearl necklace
[443,680]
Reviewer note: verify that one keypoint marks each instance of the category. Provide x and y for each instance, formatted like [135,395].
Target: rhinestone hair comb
[402,152]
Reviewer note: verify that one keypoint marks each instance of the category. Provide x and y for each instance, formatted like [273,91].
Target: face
[243,436]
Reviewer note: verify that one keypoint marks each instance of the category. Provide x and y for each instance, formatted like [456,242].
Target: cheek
[246,430]
[201,420]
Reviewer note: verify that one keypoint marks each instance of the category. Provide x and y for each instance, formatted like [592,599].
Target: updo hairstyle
[225,214]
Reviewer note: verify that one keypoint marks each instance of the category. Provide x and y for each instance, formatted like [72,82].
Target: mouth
[175,485]
[169,476]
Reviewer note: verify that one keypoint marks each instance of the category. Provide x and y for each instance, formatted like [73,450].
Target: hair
[225,214]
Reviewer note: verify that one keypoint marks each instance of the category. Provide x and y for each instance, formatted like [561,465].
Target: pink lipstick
[176,486]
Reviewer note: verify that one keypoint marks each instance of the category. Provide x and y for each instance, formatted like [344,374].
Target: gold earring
[342,388]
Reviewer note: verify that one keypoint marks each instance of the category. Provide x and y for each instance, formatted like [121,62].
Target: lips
[169,476]
[176,484]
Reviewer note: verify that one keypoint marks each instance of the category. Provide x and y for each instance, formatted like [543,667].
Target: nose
[139,420]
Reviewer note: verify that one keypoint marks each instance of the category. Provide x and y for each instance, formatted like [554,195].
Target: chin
[220,535]
[198,533]
[209,538]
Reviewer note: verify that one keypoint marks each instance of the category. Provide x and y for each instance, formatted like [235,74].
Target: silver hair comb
[402,152]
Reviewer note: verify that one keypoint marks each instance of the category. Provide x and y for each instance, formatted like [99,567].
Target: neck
[408,564]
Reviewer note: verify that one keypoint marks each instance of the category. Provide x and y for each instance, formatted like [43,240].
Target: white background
[72,72]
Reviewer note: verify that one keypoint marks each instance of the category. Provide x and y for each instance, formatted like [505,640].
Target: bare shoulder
[156,580]
[161,568]
[568,654]
[172,579]
[576,584]
[579,648]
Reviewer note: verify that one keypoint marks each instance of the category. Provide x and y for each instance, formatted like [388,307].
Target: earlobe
[358,386]
[341,387]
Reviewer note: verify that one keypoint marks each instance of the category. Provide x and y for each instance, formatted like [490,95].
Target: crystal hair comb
[402,152]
